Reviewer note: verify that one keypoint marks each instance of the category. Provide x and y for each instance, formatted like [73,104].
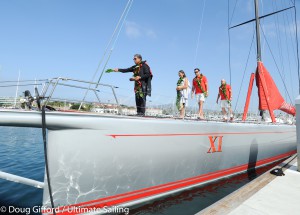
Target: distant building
[124,110]
[154,111]
[9,101]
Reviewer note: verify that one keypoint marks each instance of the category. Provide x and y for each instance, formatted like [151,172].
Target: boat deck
[147,117]
[216,119]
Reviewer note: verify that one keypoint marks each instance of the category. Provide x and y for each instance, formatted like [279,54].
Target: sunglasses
[196,72]
[134,58]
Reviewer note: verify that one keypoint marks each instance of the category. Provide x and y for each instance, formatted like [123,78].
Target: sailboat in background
[99,161]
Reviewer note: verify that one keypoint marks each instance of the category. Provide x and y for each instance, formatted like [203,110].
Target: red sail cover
[276,101]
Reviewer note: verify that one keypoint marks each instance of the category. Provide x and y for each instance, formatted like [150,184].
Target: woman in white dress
[182,93]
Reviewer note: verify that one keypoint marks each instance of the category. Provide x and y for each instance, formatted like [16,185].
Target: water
[22,153]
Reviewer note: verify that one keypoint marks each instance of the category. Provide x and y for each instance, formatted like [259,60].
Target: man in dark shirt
[142,82]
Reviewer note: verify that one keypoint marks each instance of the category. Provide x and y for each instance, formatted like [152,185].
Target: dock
[266,195]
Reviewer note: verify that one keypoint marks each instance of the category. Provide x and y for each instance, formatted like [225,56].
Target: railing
[60,81]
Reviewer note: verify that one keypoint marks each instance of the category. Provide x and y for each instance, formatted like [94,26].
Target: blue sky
[51,38]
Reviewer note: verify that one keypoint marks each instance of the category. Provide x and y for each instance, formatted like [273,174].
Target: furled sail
[271,93]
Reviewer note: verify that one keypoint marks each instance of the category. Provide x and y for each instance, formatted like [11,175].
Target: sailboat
[98,161]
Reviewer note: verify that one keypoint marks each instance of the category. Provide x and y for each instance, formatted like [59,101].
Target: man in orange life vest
[142,77]
[200,88]
[226,97]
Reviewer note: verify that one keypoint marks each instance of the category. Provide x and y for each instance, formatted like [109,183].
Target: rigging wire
[113,46]
[199,33]
[15,85]
[229,38]
[44,132]
[229,46]
[237,100]
[279,41]
[291,20]
[232,11]
[281,55]
[262,23]
[276,65]
[111,39]
[24,81]
[292,32]
[297,46]
[286,22]
[293,2]
[121,20]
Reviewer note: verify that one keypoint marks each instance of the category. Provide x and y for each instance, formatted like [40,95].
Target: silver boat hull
[98,161]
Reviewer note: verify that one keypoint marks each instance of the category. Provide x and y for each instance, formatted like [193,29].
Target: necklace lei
[199,85]
[223,89]
[138,84]
[178,105]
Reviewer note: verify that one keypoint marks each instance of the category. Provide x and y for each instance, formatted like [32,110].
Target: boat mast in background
[269,96]
[17,90]
[259,63]
[258,47]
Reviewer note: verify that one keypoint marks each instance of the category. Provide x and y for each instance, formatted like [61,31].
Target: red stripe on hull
[160,189]
[197,134]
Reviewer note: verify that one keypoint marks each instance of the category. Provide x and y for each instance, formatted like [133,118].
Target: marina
[112,157]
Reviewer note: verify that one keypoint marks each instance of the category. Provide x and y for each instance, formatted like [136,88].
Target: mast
[17,90]
[258,47]
[260,66]
[269,96]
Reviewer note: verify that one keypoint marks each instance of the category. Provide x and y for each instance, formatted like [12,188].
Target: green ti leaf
[109,70]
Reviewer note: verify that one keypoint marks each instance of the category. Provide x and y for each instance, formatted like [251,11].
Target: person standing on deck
[200,88]
[142,77]
[226,97]
[182,90]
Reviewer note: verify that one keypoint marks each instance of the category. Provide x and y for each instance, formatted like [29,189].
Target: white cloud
[151,34]
[271,29]
[250,6]
[134,31]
